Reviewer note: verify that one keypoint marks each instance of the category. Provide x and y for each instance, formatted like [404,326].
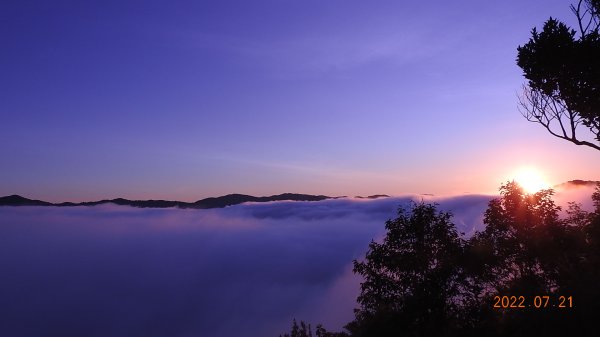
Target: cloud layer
[247,269]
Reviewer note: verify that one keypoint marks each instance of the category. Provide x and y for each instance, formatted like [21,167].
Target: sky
[190,99]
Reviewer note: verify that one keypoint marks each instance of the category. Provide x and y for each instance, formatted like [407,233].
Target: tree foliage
[520,229]
[524,250]
[304,330]
[411,279]
[562,67]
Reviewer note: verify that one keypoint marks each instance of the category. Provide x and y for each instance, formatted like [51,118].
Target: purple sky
[189,99]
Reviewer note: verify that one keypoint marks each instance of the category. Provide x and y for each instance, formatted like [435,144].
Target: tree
[563,72]
[527,250]
[412,279]
[583,277]
[519,230]
[302,330]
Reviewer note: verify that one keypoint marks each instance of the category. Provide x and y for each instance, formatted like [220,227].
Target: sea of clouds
[242,270]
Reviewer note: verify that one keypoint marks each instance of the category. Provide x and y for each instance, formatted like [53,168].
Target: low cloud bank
[242,270]
[581,194]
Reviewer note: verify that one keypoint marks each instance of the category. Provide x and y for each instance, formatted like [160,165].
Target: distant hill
[374,196]
[218,202]
[577,183]
[17,200]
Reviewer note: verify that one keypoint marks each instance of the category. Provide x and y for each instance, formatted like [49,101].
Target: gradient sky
[190,99]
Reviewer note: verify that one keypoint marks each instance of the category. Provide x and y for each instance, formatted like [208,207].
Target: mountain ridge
[212,202]
[577,183]
[218,202]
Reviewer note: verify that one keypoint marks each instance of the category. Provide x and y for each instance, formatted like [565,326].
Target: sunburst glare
[531,180]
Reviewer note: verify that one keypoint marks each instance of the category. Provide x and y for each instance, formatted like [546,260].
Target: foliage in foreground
[424,279]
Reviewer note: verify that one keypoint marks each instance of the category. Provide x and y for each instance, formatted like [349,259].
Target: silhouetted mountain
[134,203]
[577,183]
[234,199]
[17,200]
[218,202]
[374,196]
[226,200]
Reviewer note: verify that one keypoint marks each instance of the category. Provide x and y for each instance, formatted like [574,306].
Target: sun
[530,180]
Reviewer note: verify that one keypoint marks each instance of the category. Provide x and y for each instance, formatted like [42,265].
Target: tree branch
[577,12]
[543,109]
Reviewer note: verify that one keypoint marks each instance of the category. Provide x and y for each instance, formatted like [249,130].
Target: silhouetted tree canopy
[562,66]
[520,229]
[524,250]
[412,280]
[304,330]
